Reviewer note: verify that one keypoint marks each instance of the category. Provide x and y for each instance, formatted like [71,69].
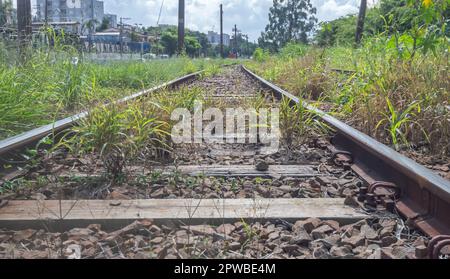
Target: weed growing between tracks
[400,101]
[298,124]
[138,129]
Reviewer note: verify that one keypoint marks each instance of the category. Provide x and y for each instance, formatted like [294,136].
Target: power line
[181,23]
[160,12]
[23,25]
[221,31]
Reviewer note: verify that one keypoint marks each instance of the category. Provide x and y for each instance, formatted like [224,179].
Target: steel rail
[426,195]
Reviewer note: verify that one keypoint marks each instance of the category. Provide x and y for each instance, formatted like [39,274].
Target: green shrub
[261,55]
[293,50]
[402,101]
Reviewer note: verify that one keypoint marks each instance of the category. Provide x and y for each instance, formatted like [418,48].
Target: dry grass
[404,103]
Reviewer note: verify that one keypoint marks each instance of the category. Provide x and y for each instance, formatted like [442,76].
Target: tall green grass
[401,101]
[56,83]
[136,131]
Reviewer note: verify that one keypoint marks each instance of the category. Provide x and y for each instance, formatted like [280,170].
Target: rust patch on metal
[425,195]
[436,245]
[383,188]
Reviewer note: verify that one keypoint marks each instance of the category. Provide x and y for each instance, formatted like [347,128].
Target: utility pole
[121,34]
[157,28]
[120,37]
[1,13]
[23,24]
[181,22]
[92,9]
[248,47]
[142,39]
[46,13]
[46,22]
[221,31]
[361,19]
[236,40]
[91,25]
[142,49]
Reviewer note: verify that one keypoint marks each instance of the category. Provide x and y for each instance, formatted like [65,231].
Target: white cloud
[332,9]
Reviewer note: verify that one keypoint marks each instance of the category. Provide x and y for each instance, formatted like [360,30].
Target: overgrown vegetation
[56,83]
[289,21]
[138,130]
[298,124]
[399,91]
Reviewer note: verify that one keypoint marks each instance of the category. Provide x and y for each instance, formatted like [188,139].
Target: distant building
[112,20]
[214,38]
[110,42]
[109,37]
[68,27]
[81,11]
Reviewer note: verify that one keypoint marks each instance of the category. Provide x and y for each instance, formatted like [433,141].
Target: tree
[194,42]
[5,10]
[201,38]
[360,23]
[169,40]
[388,16]
[104,25]
[326,35]
[192,45]
[341,31]
[289,21]
[410,26]
[157,48]
[135,36]
[89,25]
[215,51]
[244,48]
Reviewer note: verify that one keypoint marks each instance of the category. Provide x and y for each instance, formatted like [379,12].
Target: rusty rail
[418,194]
[425,196]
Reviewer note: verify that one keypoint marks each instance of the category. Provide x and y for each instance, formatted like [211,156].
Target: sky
[251,16]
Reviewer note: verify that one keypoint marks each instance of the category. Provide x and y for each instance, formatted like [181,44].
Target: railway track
[340,194]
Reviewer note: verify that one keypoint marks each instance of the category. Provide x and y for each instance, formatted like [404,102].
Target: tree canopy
[104,25]
[422,21]
[169,42]
[289,21]
[194,42]
[5,8]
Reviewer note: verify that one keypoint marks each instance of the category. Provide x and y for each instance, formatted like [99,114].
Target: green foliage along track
[55,85]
